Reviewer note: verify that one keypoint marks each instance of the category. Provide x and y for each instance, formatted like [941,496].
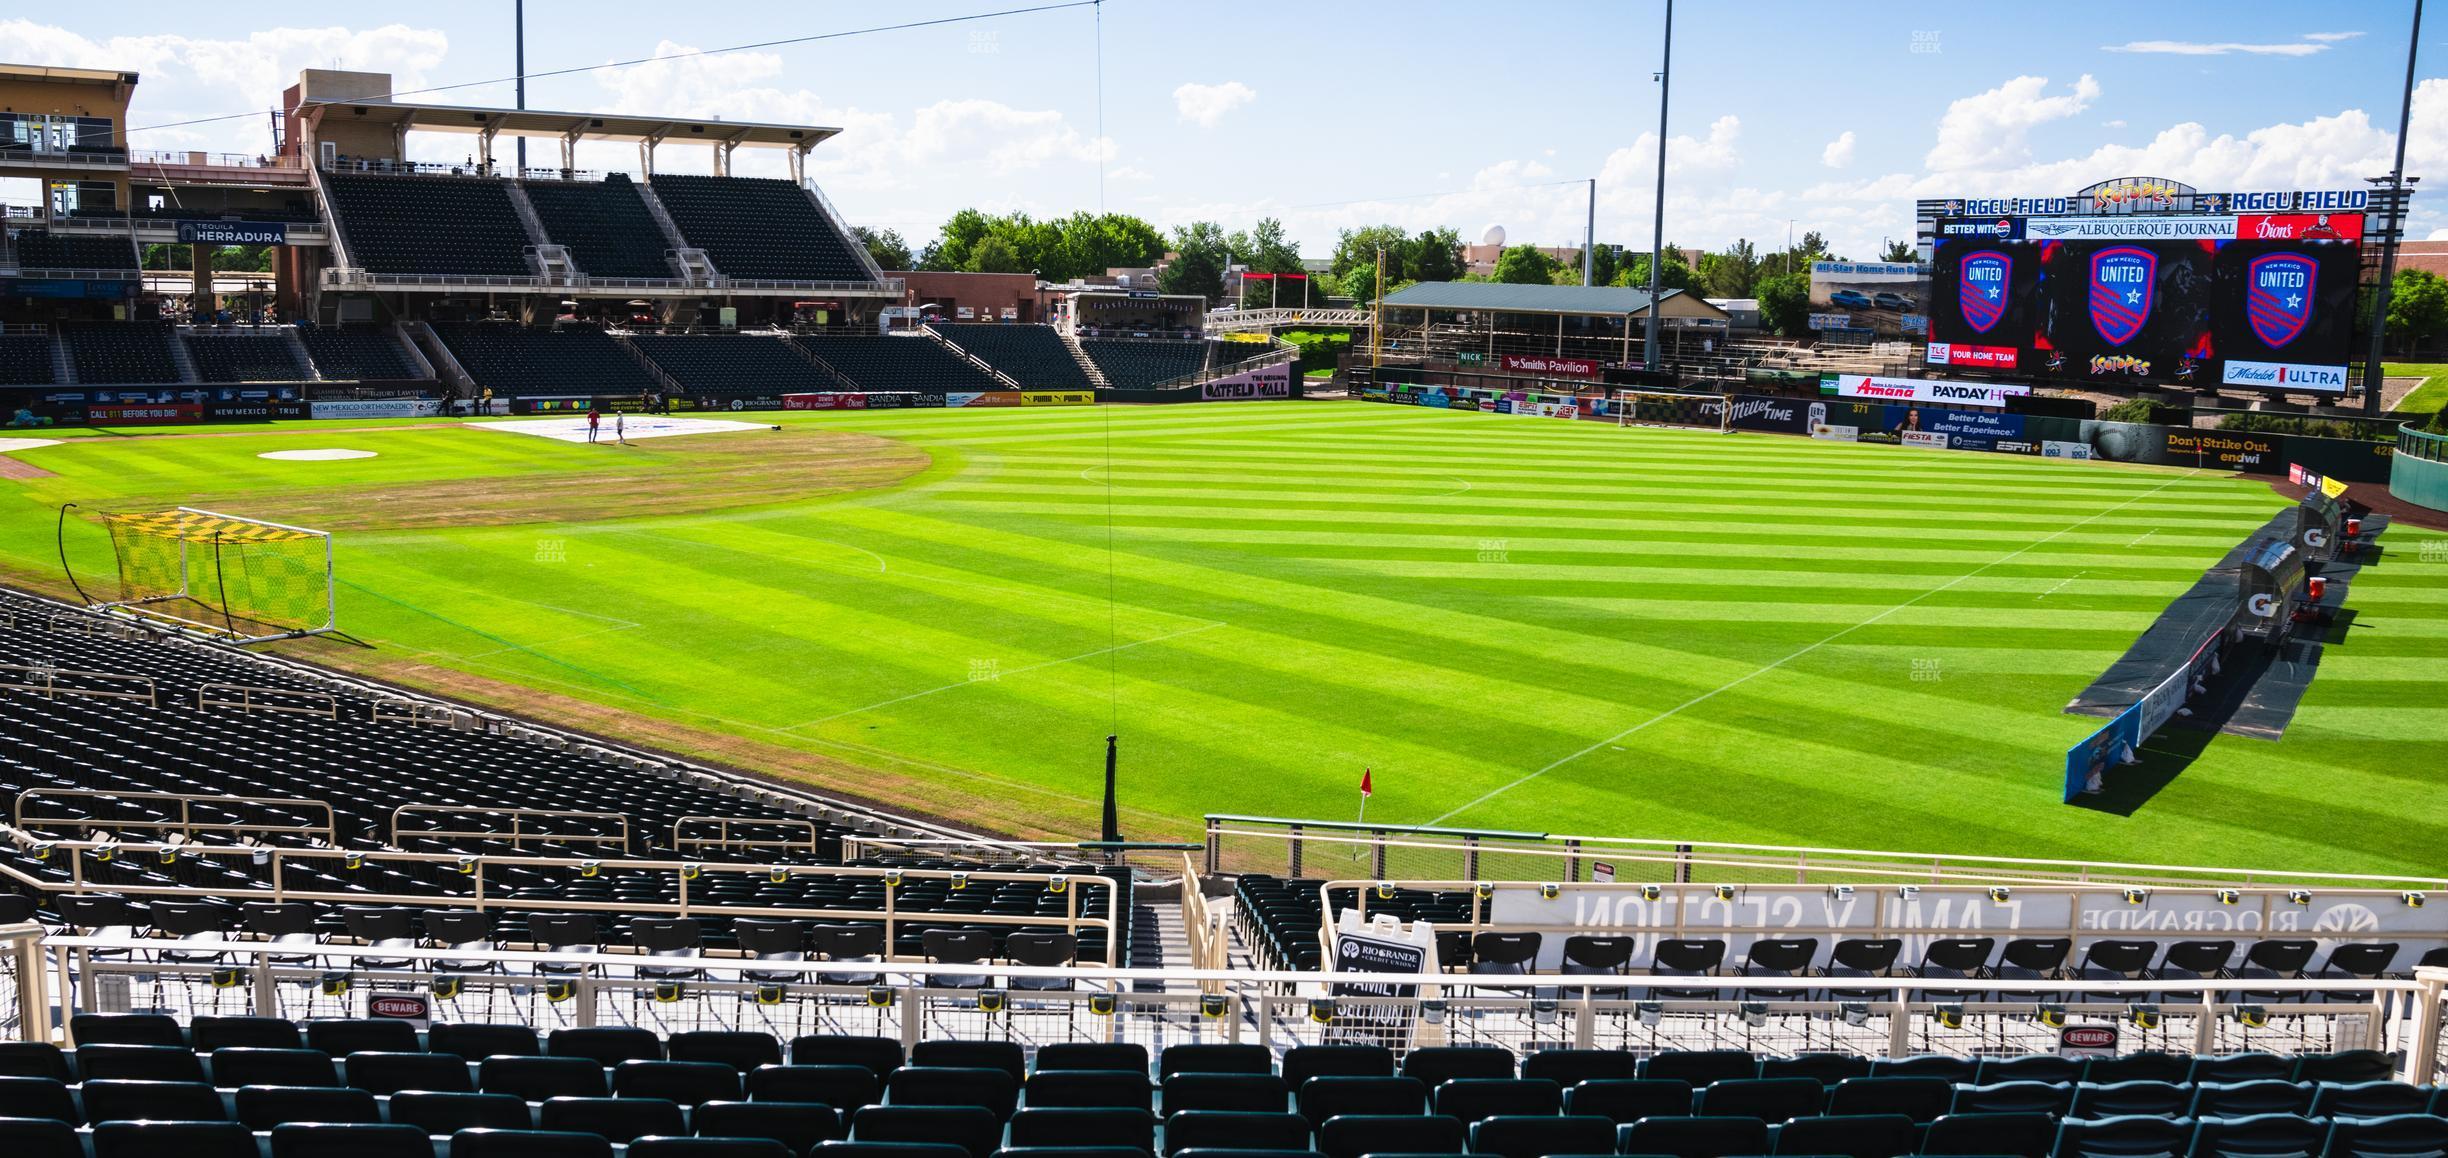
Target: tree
[1899,251]
[884,245]
[1606,264]
[1525,265]
[1730,273]
[1784,303]
[1435,255]
[1200,253]
[2418,307]
[993,254]
[1673,276]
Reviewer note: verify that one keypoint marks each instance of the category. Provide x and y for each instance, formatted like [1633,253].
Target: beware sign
[2087,1041]
[414,1008]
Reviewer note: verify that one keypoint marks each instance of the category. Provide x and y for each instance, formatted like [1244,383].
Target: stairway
[527,214]
[178,357]
[690,262]
[1087,364]
[1004,380]
[63,367]
[298,354]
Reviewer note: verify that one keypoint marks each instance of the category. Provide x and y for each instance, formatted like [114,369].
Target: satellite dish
[1494,236]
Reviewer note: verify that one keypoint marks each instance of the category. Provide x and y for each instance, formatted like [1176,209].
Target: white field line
[1013,672]
[1807,649]
[2059,587]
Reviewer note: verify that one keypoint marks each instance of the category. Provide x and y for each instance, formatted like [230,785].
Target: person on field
[594,422]
[620,429]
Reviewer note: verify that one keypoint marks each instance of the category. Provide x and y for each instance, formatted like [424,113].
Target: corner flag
[1364,784]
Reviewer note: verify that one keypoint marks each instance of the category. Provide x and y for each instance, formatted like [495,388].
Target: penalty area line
[1747,677]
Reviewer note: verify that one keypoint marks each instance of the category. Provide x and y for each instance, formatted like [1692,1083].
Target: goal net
[244,579]
[1670,408]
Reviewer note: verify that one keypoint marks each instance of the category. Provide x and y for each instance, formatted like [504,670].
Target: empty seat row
[759,227]
[1034,356]
[403,224]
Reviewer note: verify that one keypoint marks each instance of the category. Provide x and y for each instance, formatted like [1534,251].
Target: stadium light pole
[1113,811]
[518,40]
[1589,238]
[2373,378]
[1657,231]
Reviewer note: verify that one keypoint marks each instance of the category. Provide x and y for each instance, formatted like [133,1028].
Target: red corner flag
[1364,784]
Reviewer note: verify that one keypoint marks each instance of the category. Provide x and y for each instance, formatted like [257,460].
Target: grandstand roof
[592,126]
[1570,300]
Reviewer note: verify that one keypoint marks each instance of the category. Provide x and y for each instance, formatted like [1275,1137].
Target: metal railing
[45,681]
[217,160]
[518,834]
[247,698]
[482,894]
[1287,846]
[2422,444]
[185,826]
[1275,353]
[913,1001]
[1232,320]
[724,840]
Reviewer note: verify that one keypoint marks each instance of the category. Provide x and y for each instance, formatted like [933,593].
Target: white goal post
[1671,408]
[241,579]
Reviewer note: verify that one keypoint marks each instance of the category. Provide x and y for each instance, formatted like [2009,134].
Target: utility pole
[2373,377]
[1657,232]
[519,43]
[1113,810]
[1377,316]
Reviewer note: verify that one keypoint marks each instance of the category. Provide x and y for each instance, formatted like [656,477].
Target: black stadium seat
[1032,355]
[604,224]
[735,364]
[515,360]
[897,363]
[354,354]
[243,358]
[414,224]
[759,227]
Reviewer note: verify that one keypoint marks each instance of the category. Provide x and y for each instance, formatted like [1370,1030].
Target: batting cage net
[244,579]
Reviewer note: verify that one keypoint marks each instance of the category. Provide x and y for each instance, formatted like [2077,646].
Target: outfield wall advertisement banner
[1933,390]
[1560,367]
[1264,382]
[375,408]
[1936,427]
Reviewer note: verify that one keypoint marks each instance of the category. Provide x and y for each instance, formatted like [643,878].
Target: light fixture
[1651,892]
[1854,1013]
[2252,1016]
[2299,896]
[588,868]
[1908,892]
[2137,896]
[1101,1004]
[2412,900]
[2230,896]
[1322,1010]
[2001,894]
[781,873]
[2143,1016]
[1485,889]
[1724,892]
[1651,1013]
[960,881]
[1949,1016]
[1840,892]
[1550,891]
[879,997]
[1385,890]
[2049,1014]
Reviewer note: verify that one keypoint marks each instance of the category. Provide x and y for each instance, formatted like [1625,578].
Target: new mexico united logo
[2278,296]
[1982,288]
[2121,281]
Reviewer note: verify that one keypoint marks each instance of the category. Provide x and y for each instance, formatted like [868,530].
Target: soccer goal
[246,580]
[1670,408]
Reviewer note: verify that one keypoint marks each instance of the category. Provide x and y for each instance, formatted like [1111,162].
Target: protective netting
[238,576]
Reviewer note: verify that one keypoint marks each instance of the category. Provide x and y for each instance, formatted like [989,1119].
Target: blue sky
[1328,115]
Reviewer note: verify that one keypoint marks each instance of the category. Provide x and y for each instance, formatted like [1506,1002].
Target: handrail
[184,825]
[49,687]
[1800,859]
[723,839]
[518,836]
[252,699]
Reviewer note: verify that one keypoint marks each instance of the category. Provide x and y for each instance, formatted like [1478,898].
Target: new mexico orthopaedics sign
[1919,390]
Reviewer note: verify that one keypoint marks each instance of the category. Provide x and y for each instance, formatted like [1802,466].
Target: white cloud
[2215,48]
[2118,123]
[1991,128]
[2437,235]
[1839,152]
[189,78]
[2331,36]
[1205,104]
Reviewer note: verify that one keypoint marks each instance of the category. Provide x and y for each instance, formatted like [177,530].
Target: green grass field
[1556,626]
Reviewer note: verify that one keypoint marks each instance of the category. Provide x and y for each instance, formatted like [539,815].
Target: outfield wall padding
[2418,472]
